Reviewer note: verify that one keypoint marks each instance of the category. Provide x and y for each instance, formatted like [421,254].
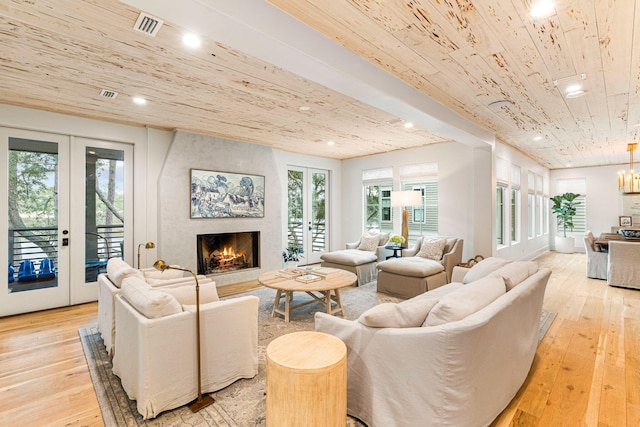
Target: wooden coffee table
[325,291]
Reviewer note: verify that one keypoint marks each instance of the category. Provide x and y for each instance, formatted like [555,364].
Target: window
[514,216]
[423,219]
[500,207]
[378,212]
[531,214]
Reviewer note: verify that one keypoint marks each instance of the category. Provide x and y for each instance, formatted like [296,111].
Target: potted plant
[396,240]
[291,255]
[564,207]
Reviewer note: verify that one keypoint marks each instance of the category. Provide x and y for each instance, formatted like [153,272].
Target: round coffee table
[326,290]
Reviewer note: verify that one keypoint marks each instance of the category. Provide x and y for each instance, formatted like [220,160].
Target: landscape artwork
[226,195]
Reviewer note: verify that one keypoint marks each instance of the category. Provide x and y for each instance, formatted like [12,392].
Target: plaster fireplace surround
[177,232]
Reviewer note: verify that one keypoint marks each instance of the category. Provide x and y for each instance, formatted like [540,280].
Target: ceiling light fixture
[575,93]
[629,181]
[140,101]
[542,9]
[331,143]
[408,125]
[537,138]
[191,40]
[304,108]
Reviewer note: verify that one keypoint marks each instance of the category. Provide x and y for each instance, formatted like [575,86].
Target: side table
[395,250]
[306,380]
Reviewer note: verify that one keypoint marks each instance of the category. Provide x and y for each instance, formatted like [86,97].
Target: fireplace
[228,252]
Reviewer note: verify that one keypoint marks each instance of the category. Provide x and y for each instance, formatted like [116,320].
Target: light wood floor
[586,371]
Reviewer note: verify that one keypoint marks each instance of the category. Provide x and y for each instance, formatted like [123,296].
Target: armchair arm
[414,249]
[452,258]
[353,245]
[458,273]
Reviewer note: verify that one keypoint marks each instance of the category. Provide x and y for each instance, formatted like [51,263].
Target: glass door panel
[307,212]
[36,255]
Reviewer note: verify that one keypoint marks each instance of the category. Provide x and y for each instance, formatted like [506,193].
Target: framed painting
[625,221]
[217,194]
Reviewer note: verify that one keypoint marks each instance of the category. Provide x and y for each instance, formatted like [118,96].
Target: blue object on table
[12,271]
[26,271]
[47,269]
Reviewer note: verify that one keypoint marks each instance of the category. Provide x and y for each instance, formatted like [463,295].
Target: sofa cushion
[407,314]
[368,242]
[118,270]
[349,257]
[149,301]
[516,272]
[431,248]
[411,266]
[483,268]
[466,300]
[186,294]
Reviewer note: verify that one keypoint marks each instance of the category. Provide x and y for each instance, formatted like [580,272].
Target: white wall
[604,202]
[458,209]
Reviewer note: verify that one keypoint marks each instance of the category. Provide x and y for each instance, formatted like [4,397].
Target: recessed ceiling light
[573,88]
[304,108]
[568,165]
[575,94]
[537,138]
[408,125]
[140,101]
[191,40]
[331,143]
[542,9]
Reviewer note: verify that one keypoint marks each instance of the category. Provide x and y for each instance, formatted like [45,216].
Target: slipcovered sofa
[156,357]
[426,266]
[454,356]
[109,286]
[360,257]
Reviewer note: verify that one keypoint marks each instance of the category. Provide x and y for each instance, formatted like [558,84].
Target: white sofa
[361,257]
[156,357]
[109,286]
[414,364]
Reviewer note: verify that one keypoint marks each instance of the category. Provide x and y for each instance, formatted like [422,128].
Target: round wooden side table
[306,380]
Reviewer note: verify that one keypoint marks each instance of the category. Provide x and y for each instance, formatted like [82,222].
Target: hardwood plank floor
[586,371]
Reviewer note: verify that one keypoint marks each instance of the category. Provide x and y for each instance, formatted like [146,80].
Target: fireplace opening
[228,252]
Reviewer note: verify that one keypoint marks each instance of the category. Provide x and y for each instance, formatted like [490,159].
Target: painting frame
[221,194]
[625,221]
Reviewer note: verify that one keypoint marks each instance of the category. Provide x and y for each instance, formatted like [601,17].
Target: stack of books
[290,273]
[308,278]
[327,273]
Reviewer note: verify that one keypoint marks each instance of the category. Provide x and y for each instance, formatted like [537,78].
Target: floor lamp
[404,199]
[148,245]
[201,401]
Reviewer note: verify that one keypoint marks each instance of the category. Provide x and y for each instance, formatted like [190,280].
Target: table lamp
[404,199]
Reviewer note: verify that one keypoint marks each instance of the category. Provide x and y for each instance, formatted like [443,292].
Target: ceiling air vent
[106,93]
[148,24]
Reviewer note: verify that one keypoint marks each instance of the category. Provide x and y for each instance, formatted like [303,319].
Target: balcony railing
[38,243]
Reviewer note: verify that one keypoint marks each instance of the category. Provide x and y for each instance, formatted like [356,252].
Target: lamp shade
[406,198]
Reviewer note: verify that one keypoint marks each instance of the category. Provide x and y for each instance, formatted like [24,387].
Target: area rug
[243,402]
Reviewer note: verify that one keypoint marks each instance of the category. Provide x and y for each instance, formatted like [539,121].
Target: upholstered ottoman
[410,276]
[361,263]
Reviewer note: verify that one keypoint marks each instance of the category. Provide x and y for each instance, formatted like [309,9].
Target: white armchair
[109,287]
[596,260]
[623,266]
[157,358]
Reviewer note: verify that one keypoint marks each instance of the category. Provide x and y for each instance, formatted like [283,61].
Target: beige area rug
[242,403]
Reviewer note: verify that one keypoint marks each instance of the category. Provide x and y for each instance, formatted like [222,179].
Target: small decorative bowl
[630,233]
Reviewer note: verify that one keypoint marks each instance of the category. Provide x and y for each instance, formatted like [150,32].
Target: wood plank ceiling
[58,55]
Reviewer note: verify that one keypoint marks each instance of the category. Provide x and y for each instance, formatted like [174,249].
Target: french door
[66,206]
[307,223]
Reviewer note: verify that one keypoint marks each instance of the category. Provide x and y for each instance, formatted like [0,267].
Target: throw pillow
[368,243]
[483,268]
[147,300]
[516,272]
[466,300]
[431,248]
[408,314]
[186,294]
[118,270]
